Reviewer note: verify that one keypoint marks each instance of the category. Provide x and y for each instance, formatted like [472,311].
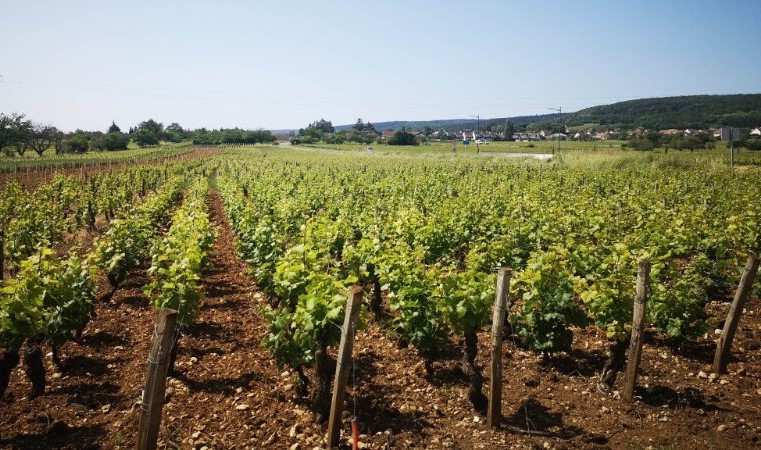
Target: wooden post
[494,411]
[721,359]
[155,383]
[342,365]
[638,329]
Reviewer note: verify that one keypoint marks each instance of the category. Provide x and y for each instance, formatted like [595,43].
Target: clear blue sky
[283,64]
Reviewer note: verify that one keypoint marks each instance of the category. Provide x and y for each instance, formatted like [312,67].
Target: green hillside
[694,111]
[455,124]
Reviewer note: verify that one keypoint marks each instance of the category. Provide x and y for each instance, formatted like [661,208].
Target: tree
[58,142]
[145,137]
[114,128]
[263,136]
[151,125]
[641,144]
[509,130]
[336,138]
[402,137]
[751,144]
[109,141]
[76,143]
[23,138]
[42,137]
[174,132]
[148,133]
[14,130]
[323,125]
[315,132]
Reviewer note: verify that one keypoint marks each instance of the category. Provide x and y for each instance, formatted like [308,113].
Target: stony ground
[228,392]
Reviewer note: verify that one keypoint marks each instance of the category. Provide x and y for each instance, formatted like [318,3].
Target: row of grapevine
[431,235]
[178,257]
[127,242]
[95,160]
[59,208]
[51,299]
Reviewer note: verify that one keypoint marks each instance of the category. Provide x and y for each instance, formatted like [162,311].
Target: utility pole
[557,138]
[478,130]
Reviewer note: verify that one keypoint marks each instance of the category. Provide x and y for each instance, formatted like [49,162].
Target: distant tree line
[685,112]
[698,141]
[654,139]
[361,132]
[694,111]
[323,131]
[19,135]
[231,136]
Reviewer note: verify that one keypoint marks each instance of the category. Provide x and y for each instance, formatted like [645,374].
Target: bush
[642,144]
[110,141]
[76,144]
[751,144]
[402,138]
[144,138]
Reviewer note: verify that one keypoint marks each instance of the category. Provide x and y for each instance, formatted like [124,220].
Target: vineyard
[258,247]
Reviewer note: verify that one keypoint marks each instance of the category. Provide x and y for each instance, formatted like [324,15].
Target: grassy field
[596,154]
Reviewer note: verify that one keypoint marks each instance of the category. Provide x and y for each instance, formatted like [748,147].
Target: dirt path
[228,392]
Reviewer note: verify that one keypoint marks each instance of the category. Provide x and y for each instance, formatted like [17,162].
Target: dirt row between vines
[229,393]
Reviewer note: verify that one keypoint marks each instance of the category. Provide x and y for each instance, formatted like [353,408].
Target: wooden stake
[638,329]
[342,366]
[724,346]
[494,411]
[155,383]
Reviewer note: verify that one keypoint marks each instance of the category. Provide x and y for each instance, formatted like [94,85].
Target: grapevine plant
[427,235]
[178,258]
[49,300]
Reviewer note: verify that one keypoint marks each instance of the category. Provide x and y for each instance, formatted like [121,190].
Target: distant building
[525,137]
[387,134]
